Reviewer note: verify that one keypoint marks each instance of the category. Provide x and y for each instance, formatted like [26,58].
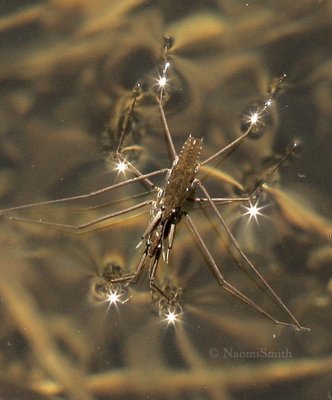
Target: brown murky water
[66,70]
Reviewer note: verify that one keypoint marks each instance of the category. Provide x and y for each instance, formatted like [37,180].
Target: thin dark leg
[126,126]
[152,273]
[83,227]
[227,286]
[88,195]
[258,187]
[229,146]
[110,203]
[132,277]
[147,182]
[275,297]
[167,131]
[221,200]
[293,146]
[247,132]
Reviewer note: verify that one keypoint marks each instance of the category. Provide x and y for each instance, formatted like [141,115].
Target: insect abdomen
[183,173]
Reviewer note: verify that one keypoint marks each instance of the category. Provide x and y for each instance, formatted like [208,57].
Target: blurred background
[67,72]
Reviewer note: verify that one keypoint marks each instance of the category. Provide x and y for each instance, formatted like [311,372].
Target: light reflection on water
[65,70]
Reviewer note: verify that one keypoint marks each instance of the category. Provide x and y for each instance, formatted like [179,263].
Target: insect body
[167,211]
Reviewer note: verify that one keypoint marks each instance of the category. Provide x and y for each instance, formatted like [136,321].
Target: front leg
[152,273]
[130,278]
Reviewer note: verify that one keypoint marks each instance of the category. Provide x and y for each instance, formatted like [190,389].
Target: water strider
[182,185]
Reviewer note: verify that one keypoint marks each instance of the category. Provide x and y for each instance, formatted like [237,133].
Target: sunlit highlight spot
[253,118]
[172,315]
[121,166]
[253,211]
[162,82]
[113,298]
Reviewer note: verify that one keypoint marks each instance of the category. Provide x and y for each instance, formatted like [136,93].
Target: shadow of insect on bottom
[182,185]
